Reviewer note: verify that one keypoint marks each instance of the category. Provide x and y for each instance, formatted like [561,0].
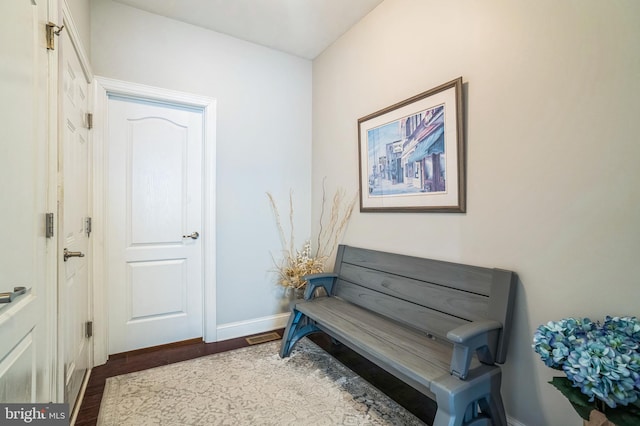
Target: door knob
[9,296]
[67,254]
[194,235]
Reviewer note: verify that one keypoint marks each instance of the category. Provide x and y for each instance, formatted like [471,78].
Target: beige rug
[250,386]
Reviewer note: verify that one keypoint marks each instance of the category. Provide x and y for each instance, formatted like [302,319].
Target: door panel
[157,180]
[25,350]
[154,200]
[165,280]
[17,368]
[73,282]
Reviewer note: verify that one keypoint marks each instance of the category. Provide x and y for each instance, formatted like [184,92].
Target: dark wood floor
[421,406]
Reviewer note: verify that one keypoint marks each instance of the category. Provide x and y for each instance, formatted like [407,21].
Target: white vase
[294,295]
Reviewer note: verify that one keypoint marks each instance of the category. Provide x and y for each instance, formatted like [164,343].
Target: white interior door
[74,311]
[25,349]
[154,221]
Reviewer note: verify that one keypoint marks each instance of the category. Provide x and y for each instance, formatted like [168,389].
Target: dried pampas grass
[298,263]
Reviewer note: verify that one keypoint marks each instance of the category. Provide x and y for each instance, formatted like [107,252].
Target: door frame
[102,89]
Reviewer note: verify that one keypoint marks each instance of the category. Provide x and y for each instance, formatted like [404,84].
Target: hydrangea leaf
[578,400]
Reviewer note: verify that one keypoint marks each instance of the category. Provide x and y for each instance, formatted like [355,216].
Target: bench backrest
[429,295]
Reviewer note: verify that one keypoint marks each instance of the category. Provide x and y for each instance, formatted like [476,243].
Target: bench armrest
[480,337]
[315,281]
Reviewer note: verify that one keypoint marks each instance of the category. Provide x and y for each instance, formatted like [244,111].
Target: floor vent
[262,338]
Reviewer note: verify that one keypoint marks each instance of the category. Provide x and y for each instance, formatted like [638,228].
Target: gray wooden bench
[440,327]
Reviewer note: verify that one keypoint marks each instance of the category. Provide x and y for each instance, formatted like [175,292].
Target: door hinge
[89,329]
[52,31]
[89,121]
[48,225]
[87,226]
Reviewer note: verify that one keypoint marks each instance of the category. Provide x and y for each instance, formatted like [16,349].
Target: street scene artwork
[412,154]
[407,156]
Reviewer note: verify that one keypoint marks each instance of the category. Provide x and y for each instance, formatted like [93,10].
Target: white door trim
[103,88]
[52,206]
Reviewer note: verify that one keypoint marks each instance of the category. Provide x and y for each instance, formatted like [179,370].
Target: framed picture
[412,154]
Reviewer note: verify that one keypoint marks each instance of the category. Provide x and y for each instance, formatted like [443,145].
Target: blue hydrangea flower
[602,360]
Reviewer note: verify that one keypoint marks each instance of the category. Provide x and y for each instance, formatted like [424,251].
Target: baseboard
[73,416]
[513,422]
[253,326]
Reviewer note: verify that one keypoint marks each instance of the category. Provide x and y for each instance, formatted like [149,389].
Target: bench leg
[495,407]
[474,401]
[297,328]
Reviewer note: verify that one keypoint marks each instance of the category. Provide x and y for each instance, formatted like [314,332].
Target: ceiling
[301,27]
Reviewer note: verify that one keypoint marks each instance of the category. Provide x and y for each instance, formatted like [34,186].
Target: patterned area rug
[250,386]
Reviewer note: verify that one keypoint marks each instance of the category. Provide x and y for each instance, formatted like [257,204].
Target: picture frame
[412,154]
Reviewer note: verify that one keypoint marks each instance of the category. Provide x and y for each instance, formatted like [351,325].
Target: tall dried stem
[330,234]
[291,243]
[283,238]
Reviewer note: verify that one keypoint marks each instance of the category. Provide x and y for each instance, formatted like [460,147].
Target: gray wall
[81,14]
[551,105]
[552,127]
[263,135]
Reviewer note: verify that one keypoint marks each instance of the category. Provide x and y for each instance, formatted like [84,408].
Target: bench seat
[404,352]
